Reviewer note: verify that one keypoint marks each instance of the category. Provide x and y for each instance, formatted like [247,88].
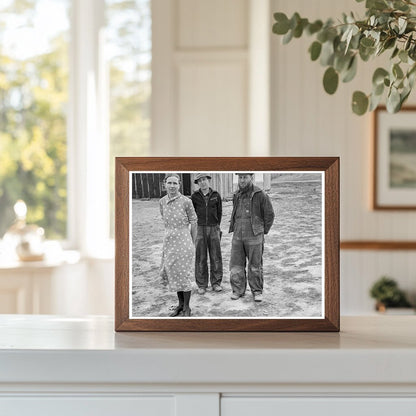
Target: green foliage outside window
[34,103]
[129,40]
[33,97]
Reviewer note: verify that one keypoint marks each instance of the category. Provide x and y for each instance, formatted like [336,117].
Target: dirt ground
[292,259]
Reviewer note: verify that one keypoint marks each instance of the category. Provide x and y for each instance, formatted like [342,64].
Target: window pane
[33,99]
[129,45]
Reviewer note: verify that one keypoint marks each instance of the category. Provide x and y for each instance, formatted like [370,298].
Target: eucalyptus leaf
[351,71]
[402,22]
[327,53]
[378,89]
[412,52]
[350,18]
[404,96]
[367,42]
[322,35]
[353,31]
[380,49]
[412,70]
[400,5]
[331,33]
[288,37]
[281,27]
[330,80]
[393,101]
[408,42]
[395,52]
[346,34]
[314,27]
[359,103]
[389,43]
[397,71]
[403,56]
[341,62]
[315,50]
[298,30]
[411,78]
[366,53]
[394,26]
[379,75]
[374,102]
[294,21]
[383,18]
[355,41]
[376,4]
[376,36]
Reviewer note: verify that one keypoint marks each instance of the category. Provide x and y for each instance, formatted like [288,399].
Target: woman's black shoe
[176,311]
[187,312]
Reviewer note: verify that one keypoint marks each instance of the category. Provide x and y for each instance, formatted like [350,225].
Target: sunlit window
[129,57]
[33,102]
[50,123]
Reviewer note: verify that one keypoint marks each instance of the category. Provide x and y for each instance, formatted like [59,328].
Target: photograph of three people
[245,244]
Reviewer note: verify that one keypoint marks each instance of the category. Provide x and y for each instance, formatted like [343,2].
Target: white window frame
[88,136]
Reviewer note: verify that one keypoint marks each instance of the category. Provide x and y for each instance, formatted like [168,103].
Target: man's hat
[201,175]
[244,173]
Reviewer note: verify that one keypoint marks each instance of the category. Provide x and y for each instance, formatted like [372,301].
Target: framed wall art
[394,183]
[227,244]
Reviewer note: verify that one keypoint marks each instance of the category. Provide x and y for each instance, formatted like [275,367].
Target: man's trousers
[208,241]
[247,251]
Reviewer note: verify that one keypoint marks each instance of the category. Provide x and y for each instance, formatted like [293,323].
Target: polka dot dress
[178,249]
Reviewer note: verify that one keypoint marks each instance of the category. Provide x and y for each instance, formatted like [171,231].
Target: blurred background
[83,81]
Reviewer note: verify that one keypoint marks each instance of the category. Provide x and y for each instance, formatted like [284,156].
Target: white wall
[203,83]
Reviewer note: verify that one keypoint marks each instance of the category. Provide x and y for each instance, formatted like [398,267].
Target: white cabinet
[88,406]
[324,406]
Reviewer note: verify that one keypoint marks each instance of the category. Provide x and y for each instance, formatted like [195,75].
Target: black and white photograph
[227,244]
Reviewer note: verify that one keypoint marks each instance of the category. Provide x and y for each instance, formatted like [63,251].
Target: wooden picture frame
[310,184]
[394,158]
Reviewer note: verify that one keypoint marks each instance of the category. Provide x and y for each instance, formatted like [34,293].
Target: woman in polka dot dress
[177,268]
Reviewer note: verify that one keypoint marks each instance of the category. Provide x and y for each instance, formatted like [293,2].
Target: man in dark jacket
[208,208]
[251,219]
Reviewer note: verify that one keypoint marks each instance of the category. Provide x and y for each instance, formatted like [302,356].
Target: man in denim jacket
[208,208]
[251,219]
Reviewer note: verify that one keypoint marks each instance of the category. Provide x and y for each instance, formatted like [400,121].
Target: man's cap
[201,175]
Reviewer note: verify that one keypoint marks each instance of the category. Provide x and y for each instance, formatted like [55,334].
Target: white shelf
[48,349]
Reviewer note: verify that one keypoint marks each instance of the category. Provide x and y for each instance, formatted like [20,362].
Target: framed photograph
[394,159]
[227,244]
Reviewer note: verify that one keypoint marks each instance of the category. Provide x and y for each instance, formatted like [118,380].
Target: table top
[54,332]
[49,348]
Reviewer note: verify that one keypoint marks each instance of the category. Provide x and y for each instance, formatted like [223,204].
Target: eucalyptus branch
[388,26]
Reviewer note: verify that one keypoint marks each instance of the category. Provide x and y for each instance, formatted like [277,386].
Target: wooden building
[151,185]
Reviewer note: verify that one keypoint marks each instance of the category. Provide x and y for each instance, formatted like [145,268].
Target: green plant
[386,291]
[389,26]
